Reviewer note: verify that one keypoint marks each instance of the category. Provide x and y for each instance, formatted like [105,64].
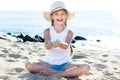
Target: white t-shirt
[58,55]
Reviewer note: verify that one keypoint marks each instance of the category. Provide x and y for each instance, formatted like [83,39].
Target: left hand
[56,43]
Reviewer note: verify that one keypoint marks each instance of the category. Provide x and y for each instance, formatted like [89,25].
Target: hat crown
[57,5]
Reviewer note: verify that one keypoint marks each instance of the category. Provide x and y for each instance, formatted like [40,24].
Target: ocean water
[90,24]
[26,22]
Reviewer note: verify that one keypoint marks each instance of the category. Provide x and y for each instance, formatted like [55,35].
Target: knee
[28,66]
[86,67]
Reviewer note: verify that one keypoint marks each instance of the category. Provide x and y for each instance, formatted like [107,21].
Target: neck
[59,28]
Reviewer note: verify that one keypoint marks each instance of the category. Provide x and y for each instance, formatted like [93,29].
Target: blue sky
[73,5]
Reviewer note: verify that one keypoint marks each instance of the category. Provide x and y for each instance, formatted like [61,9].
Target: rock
[98,40]
[73,41]
[79,38]
[28,38]
[20,36]
[39,38]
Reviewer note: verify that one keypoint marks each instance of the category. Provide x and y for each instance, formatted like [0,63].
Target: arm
[67,41]
[47,38]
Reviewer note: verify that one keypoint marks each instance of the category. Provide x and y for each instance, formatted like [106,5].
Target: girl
[57,42]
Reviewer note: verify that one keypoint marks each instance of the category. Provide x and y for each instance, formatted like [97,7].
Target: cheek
[66,17]
[53,17]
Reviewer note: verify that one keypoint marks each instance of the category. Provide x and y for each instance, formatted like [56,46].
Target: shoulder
[70,32]
[47,30]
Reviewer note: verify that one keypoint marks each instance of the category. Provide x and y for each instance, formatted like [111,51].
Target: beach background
[93,25]
[99,22]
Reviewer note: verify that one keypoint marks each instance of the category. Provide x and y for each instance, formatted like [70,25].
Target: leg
[75,70]
[40,67]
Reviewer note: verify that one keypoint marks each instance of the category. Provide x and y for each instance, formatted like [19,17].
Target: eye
[63,14]
[56,14]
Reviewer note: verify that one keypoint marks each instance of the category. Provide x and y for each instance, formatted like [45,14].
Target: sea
[93,25]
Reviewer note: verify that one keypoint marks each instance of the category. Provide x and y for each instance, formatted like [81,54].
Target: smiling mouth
[60,20]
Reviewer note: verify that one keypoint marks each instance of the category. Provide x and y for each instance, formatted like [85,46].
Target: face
[59,17]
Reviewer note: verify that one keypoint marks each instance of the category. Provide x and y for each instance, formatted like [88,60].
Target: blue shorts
[59,67]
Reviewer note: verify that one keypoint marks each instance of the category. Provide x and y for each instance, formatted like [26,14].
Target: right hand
[48,45]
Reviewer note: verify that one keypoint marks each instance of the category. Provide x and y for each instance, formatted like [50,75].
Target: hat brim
[47,16]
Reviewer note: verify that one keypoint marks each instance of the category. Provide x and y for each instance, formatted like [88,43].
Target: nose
[59,16]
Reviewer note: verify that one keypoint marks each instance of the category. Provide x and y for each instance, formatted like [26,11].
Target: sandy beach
[105,64]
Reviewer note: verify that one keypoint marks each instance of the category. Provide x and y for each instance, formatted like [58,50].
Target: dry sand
[105,65]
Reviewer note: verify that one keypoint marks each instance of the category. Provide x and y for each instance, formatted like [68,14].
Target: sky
[73,5]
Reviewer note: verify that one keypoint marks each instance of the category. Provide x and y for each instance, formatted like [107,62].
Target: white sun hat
[55,7]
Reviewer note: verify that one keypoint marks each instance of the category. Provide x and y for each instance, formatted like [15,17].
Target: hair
[52,21]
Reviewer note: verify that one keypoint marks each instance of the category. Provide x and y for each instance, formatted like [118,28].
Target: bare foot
[44,73]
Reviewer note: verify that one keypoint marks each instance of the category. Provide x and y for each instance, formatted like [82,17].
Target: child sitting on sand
[57,42]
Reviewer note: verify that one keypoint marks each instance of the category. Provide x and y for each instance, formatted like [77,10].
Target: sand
[105,64]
